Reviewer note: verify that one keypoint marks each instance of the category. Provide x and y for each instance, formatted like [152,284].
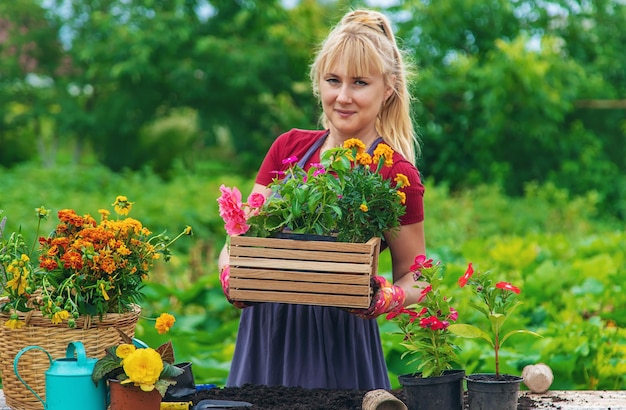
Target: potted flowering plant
[84,267]
[426,336]
[344,198]
[496,303]
[81,282]
[138,375]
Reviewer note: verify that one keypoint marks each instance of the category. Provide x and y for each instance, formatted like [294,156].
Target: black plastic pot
[434,393]
[185,384]
[488,392]
[305,237]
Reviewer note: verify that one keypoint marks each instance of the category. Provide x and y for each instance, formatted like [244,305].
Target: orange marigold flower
[363,158]
[354,143]
[164,323]
[402,180]
[402,196]
[383,151]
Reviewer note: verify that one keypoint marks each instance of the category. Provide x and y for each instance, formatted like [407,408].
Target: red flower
[508,286]
[433,323]
[468,274]
[424,293]
[421,263]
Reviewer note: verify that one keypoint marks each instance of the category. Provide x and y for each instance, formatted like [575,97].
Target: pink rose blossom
[256,200]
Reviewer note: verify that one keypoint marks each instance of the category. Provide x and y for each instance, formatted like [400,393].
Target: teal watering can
[68,381]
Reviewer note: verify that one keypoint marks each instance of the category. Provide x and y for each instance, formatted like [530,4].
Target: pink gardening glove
[225,280]
[387,297]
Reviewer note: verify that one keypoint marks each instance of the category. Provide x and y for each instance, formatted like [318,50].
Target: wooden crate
[302,272]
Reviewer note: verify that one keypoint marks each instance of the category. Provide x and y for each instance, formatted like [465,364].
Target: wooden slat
[308,287]
[338,278]
[304,298]
[300,254]
[316,266]
[304,245]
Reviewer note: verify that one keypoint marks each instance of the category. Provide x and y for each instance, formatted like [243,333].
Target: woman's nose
[344,95]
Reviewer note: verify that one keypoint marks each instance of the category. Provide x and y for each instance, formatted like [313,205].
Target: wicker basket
[95,334]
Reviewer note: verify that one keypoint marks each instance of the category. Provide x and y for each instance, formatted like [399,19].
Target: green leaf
[511,333]
[469,332]
[104,366]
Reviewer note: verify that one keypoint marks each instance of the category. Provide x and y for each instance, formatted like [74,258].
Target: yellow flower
[402,196]
[354,143]
[122,205]
[164,323]
[363,158]
[104,291]
[383,151]
[402,180]
[187,230]
[14,323]
[42,212]
[59,316]
[363,207]
[143,368]
[124,350]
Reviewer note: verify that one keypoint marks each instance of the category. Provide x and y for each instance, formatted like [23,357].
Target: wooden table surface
[558,399]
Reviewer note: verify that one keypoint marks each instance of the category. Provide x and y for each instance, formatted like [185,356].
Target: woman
[360,79]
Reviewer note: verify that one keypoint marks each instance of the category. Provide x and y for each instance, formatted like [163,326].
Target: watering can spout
[68,381]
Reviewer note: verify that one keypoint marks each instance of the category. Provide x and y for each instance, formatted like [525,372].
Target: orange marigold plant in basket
[80,283]
[84,267]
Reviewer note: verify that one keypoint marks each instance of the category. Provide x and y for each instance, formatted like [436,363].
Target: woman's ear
[390,87]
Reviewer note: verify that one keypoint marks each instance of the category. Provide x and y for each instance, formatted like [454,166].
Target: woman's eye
[360,82]
[332,81]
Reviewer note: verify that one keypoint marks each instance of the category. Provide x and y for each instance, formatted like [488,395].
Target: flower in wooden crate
[84,267]
[345,196]
[425,324]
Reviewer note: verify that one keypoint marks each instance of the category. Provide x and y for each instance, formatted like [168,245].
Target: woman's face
[352,104]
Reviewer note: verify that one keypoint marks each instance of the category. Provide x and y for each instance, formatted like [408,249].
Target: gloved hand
[387,297]
[225,281]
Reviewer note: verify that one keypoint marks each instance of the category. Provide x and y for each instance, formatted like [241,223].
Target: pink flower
[236,226]
[290,160]
[319,172]
[468,274]
[421,263]
[508,286]
[454,315]
[256,200]
[229,202]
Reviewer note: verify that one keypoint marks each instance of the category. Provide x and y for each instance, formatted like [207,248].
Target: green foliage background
[162,103]
[567,259]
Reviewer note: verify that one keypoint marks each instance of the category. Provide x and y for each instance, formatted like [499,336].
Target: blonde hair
[364,41]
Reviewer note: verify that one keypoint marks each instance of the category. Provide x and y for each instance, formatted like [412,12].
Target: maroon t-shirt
[297,142]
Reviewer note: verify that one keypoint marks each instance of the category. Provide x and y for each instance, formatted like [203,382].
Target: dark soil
[296,398]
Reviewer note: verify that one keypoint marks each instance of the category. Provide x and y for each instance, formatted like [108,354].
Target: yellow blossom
[385,152]
[354,143]
[143,368]
[59,316]
[402,180]
[402,196]
[105,295]
[14,323]
[164,323]
[363,207]
[363,158]
[187,230]
[124,350]
[121,205]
